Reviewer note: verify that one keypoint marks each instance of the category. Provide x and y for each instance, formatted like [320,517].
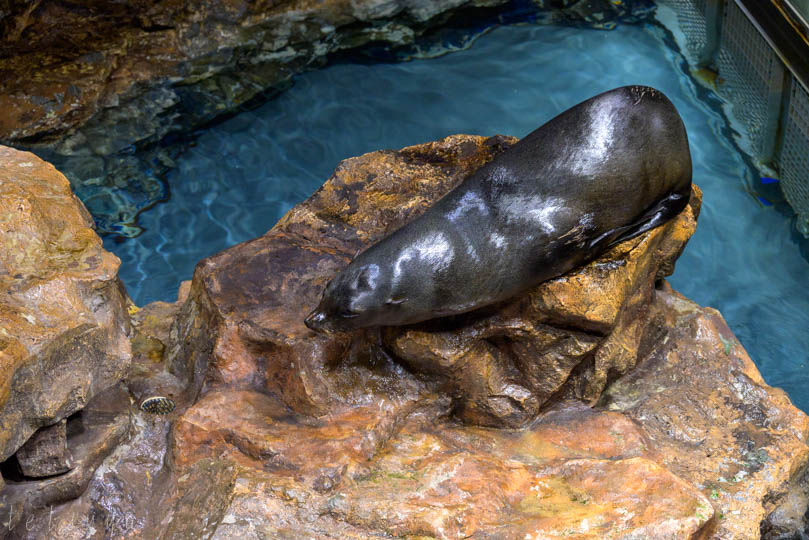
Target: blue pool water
[243,174]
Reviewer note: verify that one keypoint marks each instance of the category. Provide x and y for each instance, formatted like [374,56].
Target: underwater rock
[96,86]
[63,337]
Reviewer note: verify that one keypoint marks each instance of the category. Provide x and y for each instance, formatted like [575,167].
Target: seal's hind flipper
[660,213]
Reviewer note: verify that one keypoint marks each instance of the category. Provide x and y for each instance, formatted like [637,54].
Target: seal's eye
[348,314]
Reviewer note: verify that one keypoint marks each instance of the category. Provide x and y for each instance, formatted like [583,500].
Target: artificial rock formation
[500,364]
[96,86]
[600,404]
[63,337]
[382,432]
[99,86]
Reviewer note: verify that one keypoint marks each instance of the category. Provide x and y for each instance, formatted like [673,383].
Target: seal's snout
[316,321]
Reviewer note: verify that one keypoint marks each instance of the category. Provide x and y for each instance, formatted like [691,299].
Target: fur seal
[604,171]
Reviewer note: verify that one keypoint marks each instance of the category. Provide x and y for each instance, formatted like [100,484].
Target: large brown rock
[567,336]
[690,444]
[715,423]
[363,447]
[654,422]
[575,472]
[63,336]
[243,323]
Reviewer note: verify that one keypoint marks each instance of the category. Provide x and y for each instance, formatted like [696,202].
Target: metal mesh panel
[794,157]
[691,16]
[753,78]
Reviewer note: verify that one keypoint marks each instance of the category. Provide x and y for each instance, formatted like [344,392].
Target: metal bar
[785,33]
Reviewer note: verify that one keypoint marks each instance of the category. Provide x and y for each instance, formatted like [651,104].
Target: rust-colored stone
[501,364]
[715,423]
[243,321]
[641,415]
[64,327]
[575,472]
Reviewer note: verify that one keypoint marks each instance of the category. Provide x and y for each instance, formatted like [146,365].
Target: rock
[715,423]
[92,435]
[314,453]
[88,86]
[567,336]
[124,497]
[64,333]
[654,423]
[601,14]
[46,452]
[364,474]
[95,87]
[243,322]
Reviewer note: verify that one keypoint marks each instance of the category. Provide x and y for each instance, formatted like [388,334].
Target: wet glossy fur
[603,171]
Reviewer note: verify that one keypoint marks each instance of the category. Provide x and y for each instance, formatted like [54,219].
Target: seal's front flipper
[660,213]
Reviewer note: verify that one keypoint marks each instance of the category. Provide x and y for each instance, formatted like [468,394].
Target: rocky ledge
[107,90]
[601,404]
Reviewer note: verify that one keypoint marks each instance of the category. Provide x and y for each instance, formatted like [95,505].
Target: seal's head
[357,297]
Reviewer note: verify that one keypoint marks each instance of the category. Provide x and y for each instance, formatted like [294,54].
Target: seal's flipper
[660,213]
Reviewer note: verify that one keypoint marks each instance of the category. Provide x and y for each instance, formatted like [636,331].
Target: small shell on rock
[157,405]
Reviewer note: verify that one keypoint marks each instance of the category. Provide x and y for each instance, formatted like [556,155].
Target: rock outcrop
[65,324]
[620,383]
[94,87]
[63,328]
[622,409]
[501,364]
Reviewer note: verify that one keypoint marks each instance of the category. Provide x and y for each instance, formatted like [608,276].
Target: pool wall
[757,57]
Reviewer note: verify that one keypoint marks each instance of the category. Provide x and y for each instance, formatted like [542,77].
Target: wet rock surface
[646,420]
[373,434]
[95,86]
[108,91]
[500,364]
[714,421]
[63,337]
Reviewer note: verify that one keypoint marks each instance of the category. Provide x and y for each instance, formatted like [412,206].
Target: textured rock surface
[713,420]
[662,428]
[46,452]
[385,454]
[501,364]
[96,85]
[91,436]
[64,327]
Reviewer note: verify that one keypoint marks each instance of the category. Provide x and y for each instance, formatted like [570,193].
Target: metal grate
[691,17]
[794,155]
[753,79]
